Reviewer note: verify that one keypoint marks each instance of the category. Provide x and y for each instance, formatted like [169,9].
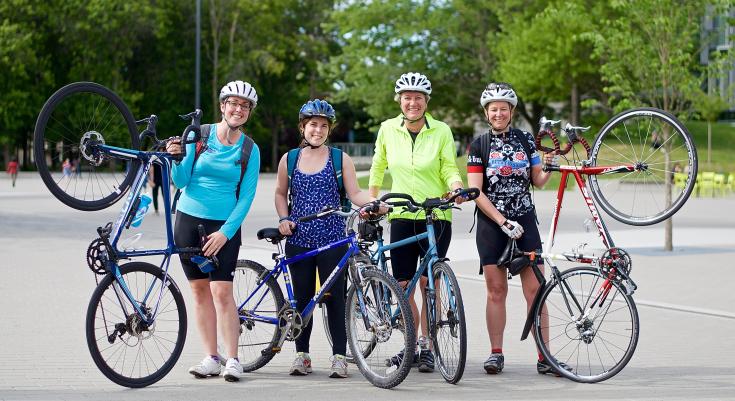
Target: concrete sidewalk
[685,301]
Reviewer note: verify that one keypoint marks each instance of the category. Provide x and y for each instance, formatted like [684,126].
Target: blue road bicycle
[136,319]
[268,320]
[447,327]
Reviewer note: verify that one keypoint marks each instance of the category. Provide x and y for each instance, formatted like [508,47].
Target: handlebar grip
[395,195]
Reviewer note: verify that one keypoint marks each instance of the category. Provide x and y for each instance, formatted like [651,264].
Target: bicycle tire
[253,352]
[70,118]
[578,342]
[451,356]
[654,188]
[108,304]
[391,323]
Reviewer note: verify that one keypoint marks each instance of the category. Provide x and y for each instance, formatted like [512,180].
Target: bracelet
[284,218]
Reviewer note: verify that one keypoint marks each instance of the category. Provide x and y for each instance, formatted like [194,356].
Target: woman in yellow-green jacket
[419,152]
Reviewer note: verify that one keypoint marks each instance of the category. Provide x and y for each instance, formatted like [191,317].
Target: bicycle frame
[578,172]
[281,268]
[130,206]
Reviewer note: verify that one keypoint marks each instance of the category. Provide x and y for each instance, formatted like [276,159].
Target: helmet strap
[413,121]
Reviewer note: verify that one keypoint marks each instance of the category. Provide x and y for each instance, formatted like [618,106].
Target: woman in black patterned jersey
[503,163]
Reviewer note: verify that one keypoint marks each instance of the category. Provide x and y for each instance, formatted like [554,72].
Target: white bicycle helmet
[498,92]
[240,89]
[413,81]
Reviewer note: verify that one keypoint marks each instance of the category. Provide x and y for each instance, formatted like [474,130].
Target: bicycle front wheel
[587,322]
[662,162]
[72,122]
[259,330]
[377,309]
[449,331]
[126,349]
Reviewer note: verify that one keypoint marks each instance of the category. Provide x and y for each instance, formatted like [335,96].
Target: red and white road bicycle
[585,317]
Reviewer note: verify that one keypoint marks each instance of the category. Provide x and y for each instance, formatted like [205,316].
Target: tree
[549,59]
[711,103]
[649,52]
[436,38]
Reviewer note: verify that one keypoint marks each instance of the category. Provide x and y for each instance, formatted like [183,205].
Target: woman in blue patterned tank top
[314,187]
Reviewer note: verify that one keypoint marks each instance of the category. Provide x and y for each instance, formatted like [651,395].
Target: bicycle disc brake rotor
[87,147]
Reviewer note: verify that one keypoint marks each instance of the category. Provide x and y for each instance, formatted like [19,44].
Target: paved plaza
[685,300]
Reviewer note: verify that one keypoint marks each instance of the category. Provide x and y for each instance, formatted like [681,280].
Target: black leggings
[303,279]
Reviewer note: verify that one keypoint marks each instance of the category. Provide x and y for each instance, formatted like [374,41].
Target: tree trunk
[274,145]
[574,104]
[709,142]
[668,235]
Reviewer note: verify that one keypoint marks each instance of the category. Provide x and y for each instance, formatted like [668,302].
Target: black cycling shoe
[544,368]
[396,359]
[494,364]
[426,361]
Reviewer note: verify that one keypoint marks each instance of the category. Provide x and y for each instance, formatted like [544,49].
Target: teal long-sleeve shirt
[209,190]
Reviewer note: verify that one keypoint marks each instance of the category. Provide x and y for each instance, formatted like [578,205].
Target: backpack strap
[291,160]
[247,149]
[484,155]
[201,146]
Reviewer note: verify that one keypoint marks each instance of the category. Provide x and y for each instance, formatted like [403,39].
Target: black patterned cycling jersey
[506,169]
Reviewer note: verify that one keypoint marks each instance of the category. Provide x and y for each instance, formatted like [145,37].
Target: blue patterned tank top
[311,193]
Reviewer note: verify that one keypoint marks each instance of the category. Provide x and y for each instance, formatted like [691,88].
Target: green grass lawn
[723,155]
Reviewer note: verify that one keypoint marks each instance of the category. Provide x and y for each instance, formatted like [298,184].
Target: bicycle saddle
[270,234]
[513,258]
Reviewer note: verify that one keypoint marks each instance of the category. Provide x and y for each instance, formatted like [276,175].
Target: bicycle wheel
[258,339]
[587,322]
[386,317]
[366,345]
[127,350]
[449,329]
[75,116]
[664,161]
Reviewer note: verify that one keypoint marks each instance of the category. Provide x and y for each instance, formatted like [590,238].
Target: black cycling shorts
[491,240]
[186,234]
[404,259]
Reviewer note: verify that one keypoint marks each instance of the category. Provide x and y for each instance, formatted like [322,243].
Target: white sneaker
[233,370]
[301,365]
[207,367]
[339,367]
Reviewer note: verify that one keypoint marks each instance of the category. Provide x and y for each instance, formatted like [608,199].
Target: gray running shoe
[494,364]
[339,367]
[301,366]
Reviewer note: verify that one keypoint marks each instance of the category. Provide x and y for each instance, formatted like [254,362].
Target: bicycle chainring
[289,318]
[615,260]
[94,257]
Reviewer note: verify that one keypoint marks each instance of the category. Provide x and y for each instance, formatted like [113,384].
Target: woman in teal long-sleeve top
[210,199]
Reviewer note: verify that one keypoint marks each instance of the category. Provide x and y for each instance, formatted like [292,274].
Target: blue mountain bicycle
[376,309]
[136,319]
[447,328]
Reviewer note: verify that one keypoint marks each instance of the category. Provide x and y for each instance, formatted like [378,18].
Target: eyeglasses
[243,106]
[498,85]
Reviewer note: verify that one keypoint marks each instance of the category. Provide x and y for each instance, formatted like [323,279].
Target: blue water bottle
[145,201]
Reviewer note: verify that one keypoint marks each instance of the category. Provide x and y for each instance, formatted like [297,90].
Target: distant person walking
[155,180]
[12,169]
[66,168]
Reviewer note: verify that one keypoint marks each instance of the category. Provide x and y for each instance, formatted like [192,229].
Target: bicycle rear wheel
[592,325]
[73,119]
[127,350]
[376,308]
[258,339]
[664,158]
[449,331]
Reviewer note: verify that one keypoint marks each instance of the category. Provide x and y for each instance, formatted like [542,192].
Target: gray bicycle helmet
[498,92]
